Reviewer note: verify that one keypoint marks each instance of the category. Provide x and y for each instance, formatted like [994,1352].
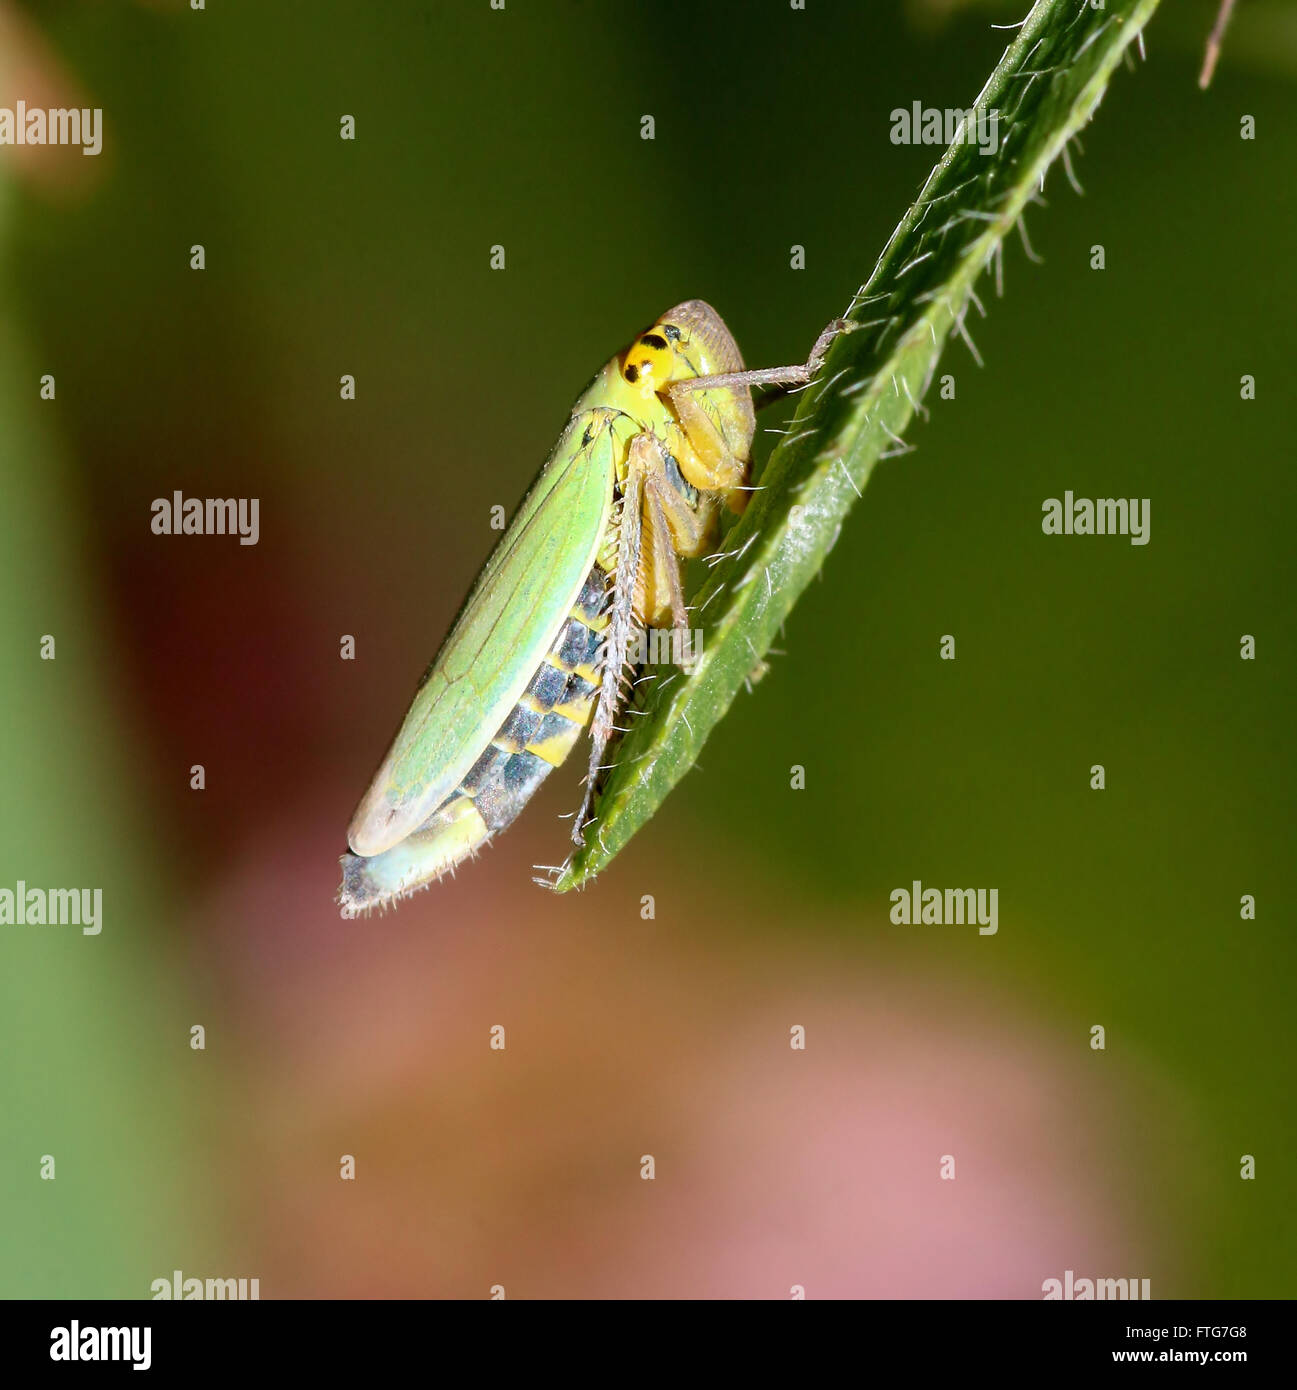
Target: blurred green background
[627,1037]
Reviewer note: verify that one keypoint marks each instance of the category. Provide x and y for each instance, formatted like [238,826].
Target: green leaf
[1045,88]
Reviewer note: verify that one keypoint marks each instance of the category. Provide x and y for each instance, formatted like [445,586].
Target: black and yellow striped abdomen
[539,732]
[544,725]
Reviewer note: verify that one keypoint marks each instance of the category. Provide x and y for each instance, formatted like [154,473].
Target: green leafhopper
[653,451]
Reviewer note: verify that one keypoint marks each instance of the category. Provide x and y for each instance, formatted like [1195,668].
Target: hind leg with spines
[621,622]
[655,528]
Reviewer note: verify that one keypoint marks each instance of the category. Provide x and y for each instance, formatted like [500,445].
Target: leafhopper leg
[715,467]
[797,375]
[678,526]
[621,623]
[666,564]
[656,527]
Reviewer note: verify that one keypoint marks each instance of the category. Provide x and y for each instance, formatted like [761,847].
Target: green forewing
[509,622]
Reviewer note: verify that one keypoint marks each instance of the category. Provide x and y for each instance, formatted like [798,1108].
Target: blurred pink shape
[521,1167]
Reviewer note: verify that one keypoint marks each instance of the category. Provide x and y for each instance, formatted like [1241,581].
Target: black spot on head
[632,373]
[671,332]
[652,340]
